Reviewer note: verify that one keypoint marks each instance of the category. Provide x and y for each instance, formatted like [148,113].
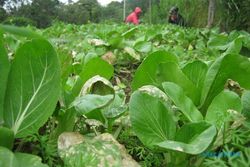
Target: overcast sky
[102,2]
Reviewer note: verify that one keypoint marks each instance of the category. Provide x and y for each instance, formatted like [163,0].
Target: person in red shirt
[134,16]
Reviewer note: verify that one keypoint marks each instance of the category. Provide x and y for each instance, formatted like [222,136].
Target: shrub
[19,21]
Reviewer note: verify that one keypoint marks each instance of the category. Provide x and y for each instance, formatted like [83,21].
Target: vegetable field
[109,95]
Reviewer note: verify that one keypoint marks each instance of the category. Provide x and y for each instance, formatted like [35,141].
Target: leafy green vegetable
[151,118]
[96,93]
[193,138]
[101,67]
[184,103]
[230,66]
[20,31]
[147,73]
[143,46]
[33,87]
[196,72]
[219,110]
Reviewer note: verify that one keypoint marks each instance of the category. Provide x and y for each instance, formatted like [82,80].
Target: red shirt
[134,16]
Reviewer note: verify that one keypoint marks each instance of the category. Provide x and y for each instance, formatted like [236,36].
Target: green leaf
[196,72]
[6,137]
[245,100]
[143,46]
[193,138]
[9,159]
[219,110]
[20,31]
[114,39]
[230,66]
[146,73]
[91,102]
[100,67]
[28,160]
[96,93]
[184,103]
[117,107]
[130,32]
[97,85]
[33,87]
[218,42]
[171,72]
[235,46]
[151,118]
[4,71]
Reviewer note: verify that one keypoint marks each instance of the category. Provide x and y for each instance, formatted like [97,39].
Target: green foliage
[179,106]
[4,68]
[7,158]
[3,14]
[146,157]
[33,82]
[19,21]
[6,137]
[152,120]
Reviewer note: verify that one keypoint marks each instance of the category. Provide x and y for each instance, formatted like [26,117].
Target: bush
[3,14]
[19,21]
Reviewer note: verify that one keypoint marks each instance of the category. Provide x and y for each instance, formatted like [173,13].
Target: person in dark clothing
[175,17]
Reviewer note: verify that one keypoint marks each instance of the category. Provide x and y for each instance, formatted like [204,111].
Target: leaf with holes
[33,87]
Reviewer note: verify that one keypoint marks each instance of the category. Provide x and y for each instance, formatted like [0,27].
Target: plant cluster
[172,96]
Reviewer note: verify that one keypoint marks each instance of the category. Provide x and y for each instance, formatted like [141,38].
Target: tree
[113,12]
[211,13]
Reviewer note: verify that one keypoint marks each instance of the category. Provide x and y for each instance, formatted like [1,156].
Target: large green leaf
[184,103]
[219,110]
[218,42]
[20,31]
[171,72]
[33,87]
[147,72]
[230,66]
[151,118]
[9,159]
[143,46]
[114,39]
[28,160]
[196,72]
[235,46]
[4,71]
[193,138]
